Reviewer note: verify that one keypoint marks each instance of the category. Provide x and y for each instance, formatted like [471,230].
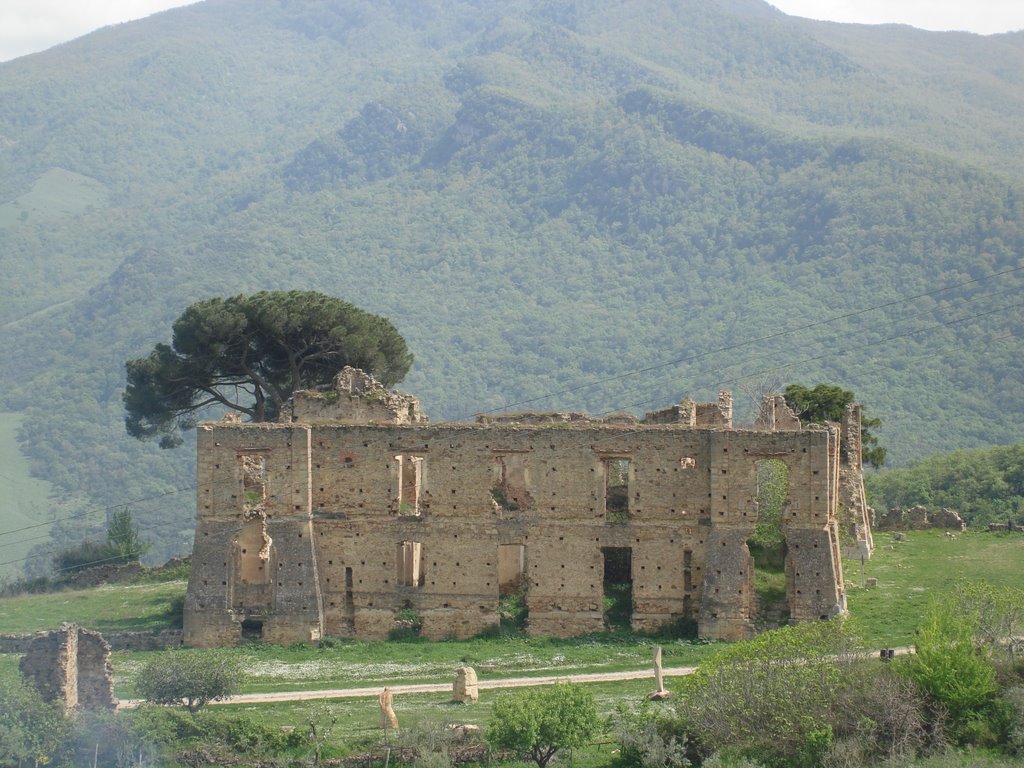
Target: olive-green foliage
[996,614]
[123,545]
[773,697]
[538,722]
[192,678]
[772,492]
[32,732]
[263,347]
[647,738]
[222,734]
[985,485]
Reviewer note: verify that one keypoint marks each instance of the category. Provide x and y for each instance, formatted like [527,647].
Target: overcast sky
[27,26]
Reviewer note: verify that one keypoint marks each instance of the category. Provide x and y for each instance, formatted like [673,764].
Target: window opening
[511,567]
[618,587]
[254,480]
[410,484]
[253,548]
[509,490]
[410,560]
[349,605]
[616,489]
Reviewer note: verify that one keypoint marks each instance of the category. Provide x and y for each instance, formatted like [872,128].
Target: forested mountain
[538,193]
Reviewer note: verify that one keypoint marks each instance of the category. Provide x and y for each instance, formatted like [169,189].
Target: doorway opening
[618,587]
[767,543]
[252,631]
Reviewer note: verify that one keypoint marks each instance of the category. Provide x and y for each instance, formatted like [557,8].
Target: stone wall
[919,518]
[70,665]
[367,520]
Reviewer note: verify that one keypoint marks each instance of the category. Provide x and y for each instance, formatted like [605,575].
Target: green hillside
[538,194]
[24,501]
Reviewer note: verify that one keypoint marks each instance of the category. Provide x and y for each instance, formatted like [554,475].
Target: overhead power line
[748,342]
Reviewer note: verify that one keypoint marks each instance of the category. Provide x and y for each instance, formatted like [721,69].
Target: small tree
[124,538]
[826,402]
[538,722]
[190,678]
[32,732]
[950,668]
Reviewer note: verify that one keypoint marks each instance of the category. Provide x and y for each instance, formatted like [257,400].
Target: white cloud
[982,16]
[27,26]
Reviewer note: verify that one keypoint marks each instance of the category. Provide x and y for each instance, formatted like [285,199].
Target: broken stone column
[70,665]
[659,680]
[465,690]
[388,718]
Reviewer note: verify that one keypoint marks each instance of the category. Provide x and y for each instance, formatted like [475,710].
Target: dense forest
[666,197]
[985,485]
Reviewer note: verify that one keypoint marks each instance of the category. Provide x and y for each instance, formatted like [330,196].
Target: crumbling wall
[70,665]
[919,518]
[370,520]
[855,516]
[356,398]
[776,416]
[226,587]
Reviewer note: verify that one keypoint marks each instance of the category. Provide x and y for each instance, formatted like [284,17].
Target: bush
[538,722]
[774,697]
[32,732]
[190,678]
[952,671]
[647,739]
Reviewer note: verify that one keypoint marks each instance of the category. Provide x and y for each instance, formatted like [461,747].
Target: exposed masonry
[334,522]
[70,665]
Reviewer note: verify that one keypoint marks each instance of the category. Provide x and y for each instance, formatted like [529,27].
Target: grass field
[23,499]
[367,664]
[909,573]
[923,565]
[109,608]
[55,194]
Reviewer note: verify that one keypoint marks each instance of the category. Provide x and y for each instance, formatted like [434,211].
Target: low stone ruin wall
[919,518]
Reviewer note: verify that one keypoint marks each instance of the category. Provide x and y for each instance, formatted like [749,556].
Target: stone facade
[329,526]
[70,665]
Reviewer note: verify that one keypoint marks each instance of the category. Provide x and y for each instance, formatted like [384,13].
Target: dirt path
[506,682]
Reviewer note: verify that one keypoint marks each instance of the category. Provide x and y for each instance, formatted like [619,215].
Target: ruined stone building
[70,665]
[357,509]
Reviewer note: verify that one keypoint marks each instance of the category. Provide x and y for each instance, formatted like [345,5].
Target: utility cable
[748,342]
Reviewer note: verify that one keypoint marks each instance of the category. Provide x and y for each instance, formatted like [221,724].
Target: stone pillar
[70,665]
[465,690]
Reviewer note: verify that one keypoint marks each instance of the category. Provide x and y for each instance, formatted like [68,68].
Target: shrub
[32,732]
[538,722]
[951,670]
[190,678]
[647,739]
[773,697]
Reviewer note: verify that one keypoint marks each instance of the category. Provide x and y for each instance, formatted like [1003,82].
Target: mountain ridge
[538,194]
